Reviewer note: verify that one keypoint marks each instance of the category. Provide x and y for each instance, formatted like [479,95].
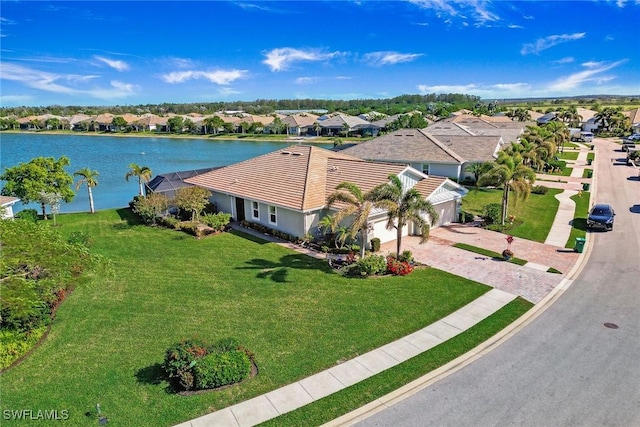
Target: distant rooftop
[314,111]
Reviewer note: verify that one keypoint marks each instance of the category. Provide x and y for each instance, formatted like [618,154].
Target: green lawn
[298,316]
[568,155]
[533,217]
[579,224]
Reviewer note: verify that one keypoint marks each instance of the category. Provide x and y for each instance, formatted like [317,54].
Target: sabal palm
[88,177]
[358,205]
[404,205]
[509,172]
[143,173]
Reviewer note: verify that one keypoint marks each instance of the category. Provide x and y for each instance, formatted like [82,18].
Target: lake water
[111,157]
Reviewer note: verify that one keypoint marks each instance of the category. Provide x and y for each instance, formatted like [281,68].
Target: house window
[273,215]
[425,168]
[255,210]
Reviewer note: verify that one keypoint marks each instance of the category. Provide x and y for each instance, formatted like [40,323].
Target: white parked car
[634,137]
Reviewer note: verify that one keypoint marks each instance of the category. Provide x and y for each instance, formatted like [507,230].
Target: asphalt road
[565,368]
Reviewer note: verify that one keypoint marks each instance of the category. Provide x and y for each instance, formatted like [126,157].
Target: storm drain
[611,325]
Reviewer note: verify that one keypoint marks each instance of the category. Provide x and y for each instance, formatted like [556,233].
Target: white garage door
[447,212]
[380,231]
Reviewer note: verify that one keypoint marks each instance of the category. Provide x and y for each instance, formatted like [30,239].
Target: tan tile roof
[300,120]
[427,186]
[298,177]
[404,145]
[8,200]
[634,115]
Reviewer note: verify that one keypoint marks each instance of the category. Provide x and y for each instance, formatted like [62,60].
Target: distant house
[549,117]
[168,183]
[287,189]
[441,155]
[339,123]
[6,206]
[301,124]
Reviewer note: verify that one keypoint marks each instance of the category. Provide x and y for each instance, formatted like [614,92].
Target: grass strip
[488,253]
[568,155]
[349,399]
[579,223]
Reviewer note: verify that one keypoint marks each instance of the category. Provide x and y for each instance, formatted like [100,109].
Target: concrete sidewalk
[298,394]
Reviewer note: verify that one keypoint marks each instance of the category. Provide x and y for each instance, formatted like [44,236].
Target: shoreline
[234,137]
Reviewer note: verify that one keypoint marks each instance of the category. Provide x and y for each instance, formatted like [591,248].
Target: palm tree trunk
[363,244]
[91,206]
[398,239]
[141,187]
[505,202]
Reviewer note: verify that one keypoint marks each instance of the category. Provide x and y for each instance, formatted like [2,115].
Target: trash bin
[589,173]
[579,247]
[589,161]
[585,186]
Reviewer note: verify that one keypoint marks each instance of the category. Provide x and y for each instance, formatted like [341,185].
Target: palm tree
[88,177]
[143,173]
[404,205]
[358,205]
[509,172]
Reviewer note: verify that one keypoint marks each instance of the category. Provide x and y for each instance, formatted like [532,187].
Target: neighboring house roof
[419,145]
[535,115]
[546,118]
[634,115]
[8,200]
[586,113]
[174,180]
[299,177]
[338,121]
[404,145]
[300,120]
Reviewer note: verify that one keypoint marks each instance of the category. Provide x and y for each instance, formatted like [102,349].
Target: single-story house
[440,155]
[339,123]
[6,206]
[301,124]
[168,183]
[287,189]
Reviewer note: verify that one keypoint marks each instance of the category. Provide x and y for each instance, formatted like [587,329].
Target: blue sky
[135,52]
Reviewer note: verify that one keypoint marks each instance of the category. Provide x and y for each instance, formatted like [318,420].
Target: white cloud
[515,26]
[549,41]
[476,9]
[565,60]
[282,58]
[592,74]
[307,80]
[113,63]
[221,77]
[389,58]
[67,84]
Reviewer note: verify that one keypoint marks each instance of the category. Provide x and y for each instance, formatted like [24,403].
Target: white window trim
[255,208]
[275,213]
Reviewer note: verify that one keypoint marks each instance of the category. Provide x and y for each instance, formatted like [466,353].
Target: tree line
[390,106]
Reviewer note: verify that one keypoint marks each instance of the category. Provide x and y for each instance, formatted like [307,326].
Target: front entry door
[239,209]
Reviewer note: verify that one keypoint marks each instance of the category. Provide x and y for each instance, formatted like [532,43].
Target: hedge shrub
[195,365]
[220,369]
[375,244]
[492,213]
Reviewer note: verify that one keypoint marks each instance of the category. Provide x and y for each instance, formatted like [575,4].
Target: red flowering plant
[507,253]
[398,268]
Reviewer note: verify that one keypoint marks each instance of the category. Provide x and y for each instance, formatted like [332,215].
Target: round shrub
[492,212]
[373,264]
[27,215]
[539,189]
[219,369]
